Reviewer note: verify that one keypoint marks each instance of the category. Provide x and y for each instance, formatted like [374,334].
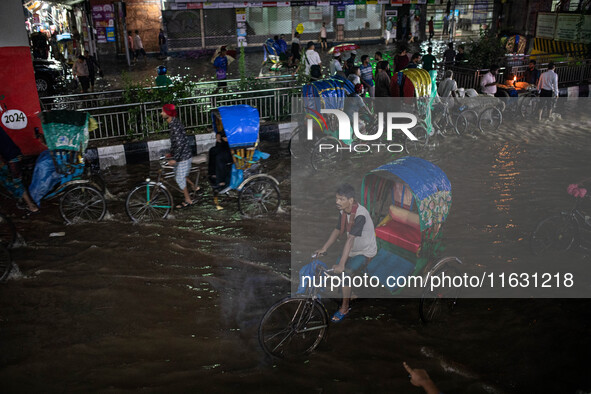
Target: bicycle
[151,200]
[563,231]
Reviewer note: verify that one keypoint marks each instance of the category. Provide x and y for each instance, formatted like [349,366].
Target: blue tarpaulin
[327,94]
[240,124]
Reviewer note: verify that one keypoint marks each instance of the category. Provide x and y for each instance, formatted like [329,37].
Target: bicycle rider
[360,246]
[180,152]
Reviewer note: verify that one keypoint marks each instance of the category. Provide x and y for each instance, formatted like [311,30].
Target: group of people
[136,47]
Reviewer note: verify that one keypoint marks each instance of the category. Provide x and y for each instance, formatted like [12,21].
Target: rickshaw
[258,193]
[409,199]
[272,59]
[81,194]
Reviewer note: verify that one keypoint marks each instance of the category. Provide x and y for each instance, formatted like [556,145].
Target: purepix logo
[395,121]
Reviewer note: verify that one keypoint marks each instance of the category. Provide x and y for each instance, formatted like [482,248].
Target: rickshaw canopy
[240,123]
[66,130]
[324,94]
[430,187]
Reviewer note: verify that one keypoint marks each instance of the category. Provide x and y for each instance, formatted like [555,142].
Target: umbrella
[343,48]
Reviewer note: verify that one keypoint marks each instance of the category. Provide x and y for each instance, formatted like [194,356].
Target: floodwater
[174,306]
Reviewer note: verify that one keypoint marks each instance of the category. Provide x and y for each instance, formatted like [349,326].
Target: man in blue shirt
[367,75]
[221,65]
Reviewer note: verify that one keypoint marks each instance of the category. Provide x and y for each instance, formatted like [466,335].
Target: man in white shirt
[323,36]
[312,59]
[138,46]
[488,83]
[335,65]
[548,88]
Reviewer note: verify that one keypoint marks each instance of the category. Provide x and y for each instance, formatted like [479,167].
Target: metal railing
[115,97]
[143,119]
[569,72]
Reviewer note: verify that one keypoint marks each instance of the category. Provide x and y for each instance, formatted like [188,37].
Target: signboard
[194,6]
[546,25]
[340,15]
[103,16]
[315,13]
[241,27]
[566,27]
[110,32]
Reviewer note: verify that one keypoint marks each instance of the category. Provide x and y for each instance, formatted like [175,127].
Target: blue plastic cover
[241,124]
[327,94]
[45,177]
[423,177]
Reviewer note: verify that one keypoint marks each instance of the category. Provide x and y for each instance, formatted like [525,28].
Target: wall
[145,16]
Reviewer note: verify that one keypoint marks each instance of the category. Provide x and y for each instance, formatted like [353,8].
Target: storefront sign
[315,13]
[110,34]
[194,6]
[546,25]
[566,27]
[241,27]
[103,16]
[303,3]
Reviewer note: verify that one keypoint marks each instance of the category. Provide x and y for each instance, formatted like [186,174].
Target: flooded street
[174,306]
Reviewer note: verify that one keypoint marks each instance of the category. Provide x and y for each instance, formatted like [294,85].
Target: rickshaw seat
[401,228]
[199,159]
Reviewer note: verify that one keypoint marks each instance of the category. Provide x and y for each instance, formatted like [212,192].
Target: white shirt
[137,42]
[323,32]
[549,81]
[312,58]
[486,79]
[335,66]
[364,244]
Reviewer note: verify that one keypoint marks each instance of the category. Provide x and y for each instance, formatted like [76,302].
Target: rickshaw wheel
[5,263]
[7,232]
[293,327]
[490,119]
[148,201]
[259,196]
[437,304]
[528,106]
[556,232]
[466,122]
[413,147]
[299,146]
[325,159]
[82,203]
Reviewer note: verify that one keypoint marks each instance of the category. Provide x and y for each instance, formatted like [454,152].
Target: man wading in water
[360,246]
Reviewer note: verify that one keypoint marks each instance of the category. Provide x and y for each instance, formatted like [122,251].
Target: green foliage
[486,51]
[242,66]
[145,123]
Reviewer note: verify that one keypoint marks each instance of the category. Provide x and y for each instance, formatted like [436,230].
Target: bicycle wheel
[259,196]
[439,302]
[299,146]
[82,203]
[148,201]
[293,327]
[489,120]
[466,122]
[555,232]
[413,147]
[445,126]
[325,154]
[5,263]
[7,232]
[528,107]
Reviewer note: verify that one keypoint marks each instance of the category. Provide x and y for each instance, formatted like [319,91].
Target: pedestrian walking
[548,88]
[445,26]
[296,50]
[323,36]
[138,46]
[388,31]
[367,75]
[431,29]
[221,66]
[80,71]
[93,69]
[163,45]
[429,61]
[313,62]
[130,46]
[449,55]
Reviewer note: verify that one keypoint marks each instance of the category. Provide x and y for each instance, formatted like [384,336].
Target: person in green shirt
[429,61]
[162,79]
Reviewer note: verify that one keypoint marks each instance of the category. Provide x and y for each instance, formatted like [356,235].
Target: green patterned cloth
[66,130]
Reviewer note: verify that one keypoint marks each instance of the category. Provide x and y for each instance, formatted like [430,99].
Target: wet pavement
[174,306]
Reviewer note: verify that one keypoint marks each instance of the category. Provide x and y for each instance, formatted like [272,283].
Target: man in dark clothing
[350,63]
[532,74]
[10,171]
[431,29]
[449,55]
[220,160]
[163,45]
[181,154]
[461,56]
[429,61]
[415,60]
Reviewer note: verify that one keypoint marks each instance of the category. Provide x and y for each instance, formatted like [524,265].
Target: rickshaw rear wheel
[328,158]
[259,196]
[413,147]
[82,203]
[528,106]
[299,146]
[293,327]
[7,232]
[466,122]
[148,201]
[438,303]
[5,263]
[489,120]
[556,232]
